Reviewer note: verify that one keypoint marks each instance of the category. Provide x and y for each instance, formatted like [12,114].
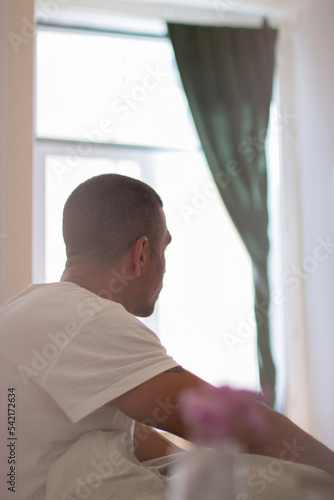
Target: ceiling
[238,5]
[243,6]
[219,12]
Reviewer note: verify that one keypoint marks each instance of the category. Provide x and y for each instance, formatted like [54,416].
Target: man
[77,358]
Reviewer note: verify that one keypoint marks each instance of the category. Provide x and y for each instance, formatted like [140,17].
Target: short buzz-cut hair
[106,214]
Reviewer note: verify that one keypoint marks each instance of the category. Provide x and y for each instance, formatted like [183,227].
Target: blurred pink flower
[224,414]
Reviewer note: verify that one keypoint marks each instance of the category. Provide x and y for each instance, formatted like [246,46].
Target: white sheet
[98,467]
[212,475]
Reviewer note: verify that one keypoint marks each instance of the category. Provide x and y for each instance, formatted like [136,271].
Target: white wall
[295,358]
[314,107]
[16,144]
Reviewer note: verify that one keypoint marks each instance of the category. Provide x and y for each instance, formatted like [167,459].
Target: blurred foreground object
[224,422]
[226,415]
[224,475]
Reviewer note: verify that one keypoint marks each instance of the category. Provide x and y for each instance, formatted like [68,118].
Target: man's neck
[85,276]
[108,283]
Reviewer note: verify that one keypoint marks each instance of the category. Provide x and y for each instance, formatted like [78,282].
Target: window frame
[45,146]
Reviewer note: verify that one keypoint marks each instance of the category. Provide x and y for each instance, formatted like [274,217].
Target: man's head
[106,214]
[116,235]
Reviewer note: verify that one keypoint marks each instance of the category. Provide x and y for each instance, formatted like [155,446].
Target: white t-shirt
[66,353]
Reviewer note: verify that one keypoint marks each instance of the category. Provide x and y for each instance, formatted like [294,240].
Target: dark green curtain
[227,74]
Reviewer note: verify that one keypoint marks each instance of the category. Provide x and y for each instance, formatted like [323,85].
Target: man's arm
[155,403]
[287,441]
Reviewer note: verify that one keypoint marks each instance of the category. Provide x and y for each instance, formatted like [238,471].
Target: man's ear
[140,254]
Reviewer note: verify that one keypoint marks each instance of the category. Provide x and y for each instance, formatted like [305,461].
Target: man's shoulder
[60,292]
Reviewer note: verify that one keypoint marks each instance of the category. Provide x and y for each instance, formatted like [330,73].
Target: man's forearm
[286,441]
[149,443]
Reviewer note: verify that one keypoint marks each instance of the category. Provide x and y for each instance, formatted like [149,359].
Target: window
[110,88]
[114,103]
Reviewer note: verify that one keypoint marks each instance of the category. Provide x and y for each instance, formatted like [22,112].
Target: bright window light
[110,89]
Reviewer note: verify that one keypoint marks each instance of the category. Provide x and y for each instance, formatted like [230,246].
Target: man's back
[57,345]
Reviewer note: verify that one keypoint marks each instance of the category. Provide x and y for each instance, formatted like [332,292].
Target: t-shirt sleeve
[106,357]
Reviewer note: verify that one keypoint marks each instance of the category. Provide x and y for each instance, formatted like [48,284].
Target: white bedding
[97,467]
